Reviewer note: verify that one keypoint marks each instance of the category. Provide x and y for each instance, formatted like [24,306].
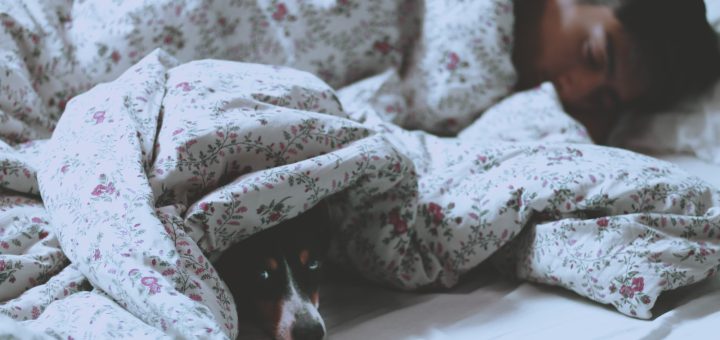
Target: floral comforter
[114,221]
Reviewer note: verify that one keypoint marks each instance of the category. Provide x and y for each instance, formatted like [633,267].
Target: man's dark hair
[677,50]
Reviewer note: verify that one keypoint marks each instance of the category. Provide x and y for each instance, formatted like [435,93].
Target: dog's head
[274,276]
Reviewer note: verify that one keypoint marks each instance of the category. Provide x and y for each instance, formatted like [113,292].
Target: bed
[489,305]
[138,146]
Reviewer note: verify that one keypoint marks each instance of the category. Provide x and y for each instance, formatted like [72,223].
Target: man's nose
[576,86]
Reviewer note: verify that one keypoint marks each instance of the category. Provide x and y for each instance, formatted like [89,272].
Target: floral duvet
[115,219]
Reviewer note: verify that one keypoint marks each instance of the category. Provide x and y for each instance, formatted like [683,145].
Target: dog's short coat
[274,276]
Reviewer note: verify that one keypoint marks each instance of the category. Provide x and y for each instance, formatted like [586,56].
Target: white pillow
[713,13]
[692,127]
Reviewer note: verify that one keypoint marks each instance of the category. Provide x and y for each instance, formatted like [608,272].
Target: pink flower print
[2,265]
[280,12]
[4,245]
[399,224]
[196,297]
[43,234]
[37,220]
[185,86]
[151,283]
[638,284]
[204,206]
[436,211]
[178,131]
[603,222]
[99,190]
[397,167]
[168,272]
[96,254]
[626,291]
[35,312]
[115,56]
[275,216]
[168,39]
[383,47]
[99,117]
[64,168]
[453,62]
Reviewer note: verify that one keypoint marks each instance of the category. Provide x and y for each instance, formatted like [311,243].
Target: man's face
[588,56]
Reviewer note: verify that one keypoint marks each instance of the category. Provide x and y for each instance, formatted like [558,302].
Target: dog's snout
[308,331]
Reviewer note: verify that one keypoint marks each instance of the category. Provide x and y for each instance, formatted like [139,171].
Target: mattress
[488,305]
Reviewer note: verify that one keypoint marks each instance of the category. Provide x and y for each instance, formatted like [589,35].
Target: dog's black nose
[308,331]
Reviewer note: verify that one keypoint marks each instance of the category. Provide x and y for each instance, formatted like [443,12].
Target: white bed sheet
[489,306]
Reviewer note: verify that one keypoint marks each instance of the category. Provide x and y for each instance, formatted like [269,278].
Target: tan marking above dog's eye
[272,264]
[304,256]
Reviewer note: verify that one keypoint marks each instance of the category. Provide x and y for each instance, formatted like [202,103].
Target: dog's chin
[303,323]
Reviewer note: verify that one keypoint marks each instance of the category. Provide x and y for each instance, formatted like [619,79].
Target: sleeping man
[604,57]
[608,56]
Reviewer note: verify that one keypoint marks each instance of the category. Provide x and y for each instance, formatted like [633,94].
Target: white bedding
[147,177]
[490,306]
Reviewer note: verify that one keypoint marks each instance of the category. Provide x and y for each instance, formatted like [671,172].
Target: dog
[274,276]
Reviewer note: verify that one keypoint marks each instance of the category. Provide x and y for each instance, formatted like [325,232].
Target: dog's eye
[264,275]
[314,265]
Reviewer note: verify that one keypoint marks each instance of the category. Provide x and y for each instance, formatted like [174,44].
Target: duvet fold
[150,177]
